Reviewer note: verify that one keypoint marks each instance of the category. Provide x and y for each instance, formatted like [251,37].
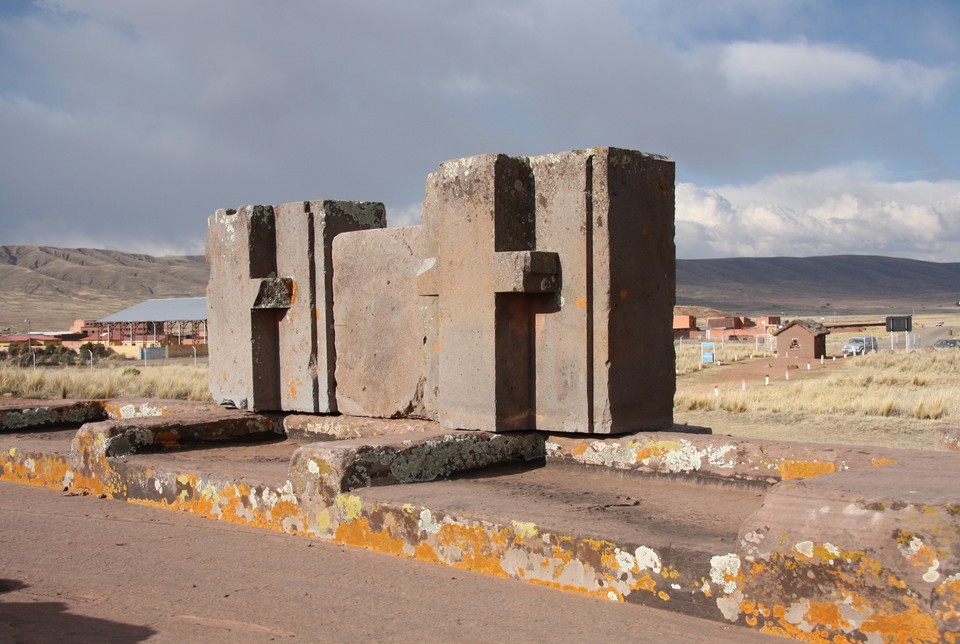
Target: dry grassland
[890,399]
[171,382]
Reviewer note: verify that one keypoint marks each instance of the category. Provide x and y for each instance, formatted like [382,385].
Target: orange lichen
[908,626]
[826,614]
[358,533]
[793,469]
[880,462]
[646,582]
[599,593]
[481,550]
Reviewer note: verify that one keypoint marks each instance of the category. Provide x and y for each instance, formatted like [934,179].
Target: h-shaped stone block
[546,291]
[270,302]
[537,294]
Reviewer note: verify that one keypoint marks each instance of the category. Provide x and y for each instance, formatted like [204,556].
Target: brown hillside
[51,287]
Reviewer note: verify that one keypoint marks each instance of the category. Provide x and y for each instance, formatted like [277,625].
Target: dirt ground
[81,569]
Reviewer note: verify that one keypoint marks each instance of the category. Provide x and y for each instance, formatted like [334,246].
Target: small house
[803,339]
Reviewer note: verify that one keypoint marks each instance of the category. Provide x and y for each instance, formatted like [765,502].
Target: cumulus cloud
[842,210]
[126,124]
[802,68]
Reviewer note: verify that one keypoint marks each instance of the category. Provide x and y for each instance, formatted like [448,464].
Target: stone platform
[807,541]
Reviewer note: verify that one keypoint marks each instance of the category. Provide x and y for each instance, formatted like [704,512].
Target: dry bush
[161,381]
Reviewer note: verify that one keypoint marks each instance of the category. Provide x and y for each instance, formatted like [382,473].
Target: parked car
[947,343]
[859,344]
[939,322]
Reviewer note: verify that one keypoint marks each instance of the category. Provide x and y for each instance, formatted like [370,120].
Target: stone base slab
[812,541]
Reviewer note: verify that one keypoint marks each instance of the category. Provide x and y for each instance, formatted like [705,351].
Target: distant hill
[841,284]
[51,287]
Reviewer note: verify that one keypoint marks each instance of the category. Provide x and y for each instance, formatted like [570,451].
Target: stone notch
[270,289]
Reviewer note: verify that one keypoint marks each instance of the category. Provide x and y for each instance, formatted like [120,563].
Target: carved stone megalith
[537,293]
[270,302]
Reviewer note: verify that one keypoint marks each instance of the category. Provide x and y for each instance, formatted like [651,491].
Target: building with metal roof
[167,322]
[174,309]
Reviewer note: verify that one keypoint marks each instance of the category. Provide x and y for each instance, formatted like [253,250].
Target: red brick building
[803,339]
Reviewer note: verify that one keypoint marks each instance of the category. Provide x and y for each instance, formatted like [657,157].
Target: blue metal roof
[172,309]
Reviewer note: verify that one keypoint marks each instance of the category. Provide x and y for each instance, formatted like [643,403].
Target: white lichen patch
[132,411]
[553,450]
[67,480]
[30,464]
[911,548]
[796,614]
[805,548]
[723,457]
[647,559]
[312,467]
[724,570]
[158,486]
[426,523]
[287,493]
[730,606]
[625,561]
[932,573]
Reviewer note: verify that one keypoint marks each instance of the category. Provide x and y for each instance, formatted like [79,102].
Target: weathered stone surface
[14,417]
[153,433]
[329,469]
[864,547]
[537,294]
[270,302]
[483,212]
[385,333]
[555,277]
[836,550]
[332,428]
[603,351]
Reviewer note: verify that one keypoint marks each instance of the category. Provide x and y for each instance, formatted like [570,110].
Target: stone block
[385,334]
[555,277]
[270,302]
[482,211]
[537,294]
[332,468]
[604,345]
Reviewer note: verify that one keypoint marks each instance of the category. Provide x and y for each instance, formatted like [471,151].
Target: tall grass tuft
[176,382]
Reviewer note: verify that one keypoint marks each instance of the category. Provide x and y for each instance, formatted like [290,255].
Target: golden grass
[914,384]
[907,394]
[171,382]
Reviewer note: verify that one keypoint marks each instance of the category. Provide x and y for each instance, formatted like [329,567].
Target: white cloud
[842,210]
[405,215]
[129,123]
[801,68]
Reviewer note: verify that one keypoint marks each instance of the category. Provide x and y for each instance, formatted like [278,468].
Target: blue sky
[799,128]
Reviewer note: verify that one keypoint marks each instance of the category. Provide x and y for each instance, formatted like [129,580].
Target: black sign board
[899,323]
